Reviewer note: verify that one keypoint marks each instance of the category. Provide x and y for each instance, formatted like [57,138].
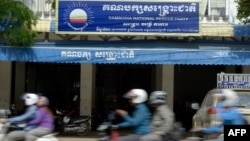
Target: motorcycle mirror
[75,98]
[58,112]
[195,106]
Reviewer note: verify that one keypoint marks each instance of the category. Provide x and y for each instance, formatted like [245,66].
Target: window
[217,8]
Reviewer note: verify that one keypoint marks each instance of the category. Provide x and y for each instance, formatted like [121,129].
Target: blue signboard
[127,17]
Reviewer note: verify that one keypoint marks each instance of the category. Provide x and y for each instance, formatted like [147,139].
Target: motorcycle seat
[84,116]
[50,135]
[81,119]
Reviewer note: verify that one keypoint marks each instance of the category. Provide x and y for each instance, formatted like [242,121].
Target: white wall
[232,12]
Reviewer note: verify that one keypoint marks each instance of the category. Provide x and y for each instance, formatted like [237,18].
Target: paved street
[91,136]
[77,139]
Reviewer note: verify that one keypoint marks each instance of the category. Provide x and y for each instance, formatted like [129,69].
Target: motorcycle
[4,113]
[67,122]
[70,121]
[5,128]
[108,132]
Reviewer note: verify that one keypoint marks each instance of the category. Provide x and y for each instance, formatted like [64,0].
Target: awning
[242,30]
[133,52]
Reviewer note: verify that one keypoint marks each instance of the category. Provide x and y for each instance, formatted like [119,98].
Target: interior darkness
[60,82]
[113,81]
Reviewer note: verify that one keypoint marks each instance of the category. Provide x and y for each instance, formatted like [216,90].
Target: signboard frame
[136,25]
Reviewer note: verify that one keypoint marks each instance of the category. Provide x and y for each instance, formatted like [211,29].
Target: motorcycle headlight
[66,119]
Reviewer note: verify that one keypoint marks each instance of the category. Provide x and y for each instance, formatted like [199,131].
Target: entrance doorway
[59,82]
[113,81]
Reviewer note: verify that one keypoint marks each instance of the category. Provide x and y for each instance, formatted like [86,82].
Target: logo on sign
[78,16]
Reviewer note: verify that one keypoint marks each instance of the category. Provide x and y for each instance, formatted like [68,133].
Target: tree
[16,21]
[52,2]
[243,10]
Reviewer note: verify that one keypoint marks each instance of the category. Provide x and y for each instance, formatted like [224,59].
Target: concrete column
[87,83]
[19,84]
[31,79]
[165,81]
[5,84]
[246,69]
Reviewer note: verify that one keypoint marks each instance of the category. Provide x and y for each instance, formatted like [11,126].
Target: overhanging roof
[132,52]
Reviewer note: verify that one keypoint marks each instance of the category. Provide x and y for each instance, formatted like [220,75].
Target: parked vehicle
[67,122]
[201,136]
[206,113]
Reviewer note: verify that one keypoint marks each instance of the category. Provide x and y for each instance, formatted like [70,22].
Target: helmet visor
[30,98]
[129,95]
[24,96]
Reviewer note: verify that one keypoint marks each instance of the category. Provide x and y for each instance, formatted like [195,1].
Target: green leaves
[16,22]
[19,37]
[243,11]
[52,2]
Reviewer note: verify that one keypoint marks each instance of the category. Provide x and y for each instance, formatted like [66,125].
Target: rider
[29,114]
[227,112]
[44,121]
[140,118]
[163,118]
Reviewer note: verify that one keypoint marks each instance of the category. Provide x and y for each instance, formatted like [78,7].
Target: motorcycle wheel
[83,129]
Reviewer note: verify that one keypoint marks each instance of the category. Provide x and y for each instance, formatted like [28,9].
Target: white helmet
[30,98]
[230,97]
[158,97]
[137,95]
